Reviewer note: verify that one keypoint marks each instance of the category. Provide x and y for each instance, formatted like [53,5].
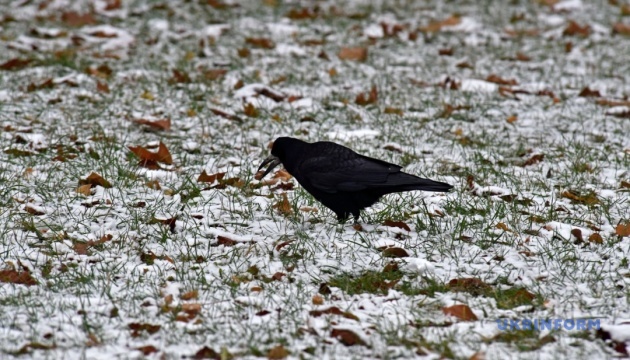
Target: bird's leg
[341,218]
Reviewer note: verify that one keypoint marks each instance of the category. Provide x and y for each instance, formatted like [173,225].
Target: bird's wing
[353,173]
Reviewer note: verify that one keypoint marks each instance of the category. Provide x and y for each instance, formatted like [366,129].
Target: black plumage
[341,179]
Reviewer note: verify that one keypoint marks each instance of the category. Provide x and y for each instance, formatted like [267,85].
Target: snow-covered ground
[113,246]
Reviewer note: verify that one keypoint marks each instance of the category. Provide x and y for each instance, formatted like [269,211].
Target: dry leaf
[512,119]
[620,28]
[204,177]
[347,337]
[164,124]
[250,110]
[222,240]
[137,328]
[72,18]
[473,286]
[12,276]
[577,233]
[15,64]
[194,294]
[263,43]
[102,87]
[502,226]
[283,244]
[147,350]
[365,99]
[148,157]
[113,5]
[85,189]
[589,199]
[283,206]
[206,352]
[317,300]
[395,252]
[493,78]
[225,115]
[460,311]
[533,160]
[353,53]
[391,110]
[623,229]
[302,14]
[587,92]
[398,224]
[278,352]
[612,103]
[595,238]
[436,26]
[95,180]
[575,29]
[179,77]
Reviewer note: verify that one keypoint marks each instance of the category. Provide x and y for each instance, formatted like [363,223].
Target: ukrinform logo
[548,324]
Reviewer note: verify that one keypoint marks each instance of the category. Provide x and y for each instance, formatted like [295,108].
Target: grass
[239,270]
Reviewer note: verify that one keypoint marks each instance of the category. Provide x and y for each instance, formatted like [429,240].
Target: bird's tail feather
[406,182]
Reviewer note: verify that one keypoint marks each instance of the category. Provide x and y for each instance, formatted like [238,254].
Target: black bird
[341,179]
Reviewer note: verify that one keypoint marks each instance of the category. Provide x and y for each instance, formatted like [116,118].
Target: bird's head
[282,149]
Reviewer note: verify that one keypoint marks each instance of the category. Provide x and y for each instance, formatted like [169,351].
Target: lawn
[131,225]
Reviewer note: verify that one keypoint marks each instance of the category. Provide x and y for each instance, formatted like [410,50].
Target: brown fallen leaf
[147,349]
[353,53]
[303,13]
[460,311]
[163,124]
[190,295]
[206,353]
[493,78]
[225,115]
[273,95]
[590,198]
[436,26]
[367,98]
[15,64]
[277,352]
[473,286]
[621,28]
[347,337]
[502,226]
[204,177]
[395,252]
[284,206]
[179,77]
[575,29]
[12,276]
[263,43]
[398,224]
[147,157]
[612,103]
[76,19]
[533,160]
[595,238]
[623,229]
[85,189]
[577,234]
[587,92]
[137,328]
[250,110]
[95,179]
[225,241]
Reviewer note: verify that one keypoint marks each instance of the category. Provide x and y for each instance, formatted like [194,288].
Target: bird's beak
[273,161]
